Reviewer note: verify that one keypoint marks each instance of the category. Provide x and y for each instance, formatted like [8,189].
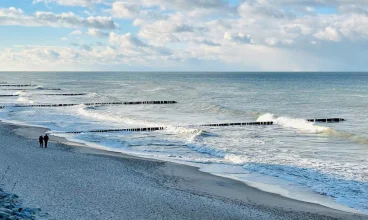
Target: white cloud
[76,33]
[124,10]
[126,40]
[271,41]
[14,16]
[83,3]
[97,33]
[239,38]
[329,33]
[255,34]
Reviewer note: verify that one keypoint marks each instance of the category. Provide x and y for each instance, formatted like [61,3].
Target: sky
[184,35]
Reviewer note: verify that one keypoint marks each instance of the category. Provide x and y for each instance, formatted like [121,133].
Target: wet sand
[70,181]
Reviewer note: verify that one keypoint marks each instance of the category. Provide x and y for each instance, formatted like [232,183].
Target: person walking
[40,139]
[46,139]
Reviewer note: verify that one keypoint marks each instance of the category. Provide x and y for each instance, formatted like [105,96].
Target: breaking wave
[43,88]
[91,112]
[309,127]
[20,93]
[295,123]
[25,100]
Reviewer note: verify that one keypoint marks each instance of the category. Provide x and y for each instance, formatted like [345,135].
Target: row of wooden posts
[61,94]
[204,125]
[92,104]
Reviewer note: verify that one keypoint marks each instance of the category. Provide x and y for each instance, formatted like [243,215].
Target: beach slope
[69,182]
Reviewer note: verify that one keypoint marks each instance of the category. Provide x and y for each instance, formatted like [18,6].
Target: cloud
[187,5]
[262,9]
[126,40]
[271,41]
[75,33]
[83,3]
[163,4]
[126,50]
[97,33]
[14,16]
[124,10]
[251,34]
[239,38]
[329,33]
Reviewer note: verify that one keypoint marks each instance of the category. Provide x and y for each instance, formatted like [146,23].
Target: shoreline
[188,179]
[306,196]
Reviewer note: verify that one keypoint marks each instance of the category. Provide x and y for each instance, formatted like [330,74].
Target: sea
[324,163]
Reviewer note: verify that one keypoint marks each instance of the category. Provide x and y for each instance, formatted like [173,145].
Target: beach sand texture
[71,182]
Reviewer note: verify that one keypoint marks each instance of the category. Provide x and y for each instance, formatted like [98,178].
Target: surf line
[91,104]
[163,128]
[325,120]
[155,128]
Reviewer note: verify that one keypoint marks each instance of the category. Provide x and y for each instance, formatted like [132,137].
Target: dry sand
[75,182]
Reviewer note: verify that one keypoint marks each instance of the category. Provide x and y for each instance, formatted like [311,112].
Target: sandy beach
[75,182]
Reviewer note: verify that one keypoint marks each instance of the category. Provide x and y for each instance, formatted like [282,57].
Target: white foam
[207,150]
[24,99]
[295,123]
[20,93]
[106,116]
[39,87]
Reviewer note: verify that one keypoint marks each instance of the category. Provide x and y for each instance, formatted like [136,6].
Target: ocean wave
[349,192]
[295,123]
[155,89]
[216,109]
[309,127]
[347,136]
[91,112]
[20,93]
[25,100]
[207,150]
[196,143]
[43,88]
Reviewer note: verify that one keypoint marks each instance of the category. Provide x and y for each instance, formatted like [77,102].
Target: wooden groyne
[22,89]
[163,128]
[327,120]
[117,130]
[204,125]
[237,124]
[74,94]
[65,94]
[92,104]
[12,85]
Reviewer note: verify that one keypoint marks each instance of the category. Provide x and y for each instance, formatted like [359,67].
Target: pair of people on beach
[42,140]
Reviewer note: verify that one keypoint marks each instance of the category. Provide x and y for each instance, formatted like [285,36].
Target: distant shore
[74,182]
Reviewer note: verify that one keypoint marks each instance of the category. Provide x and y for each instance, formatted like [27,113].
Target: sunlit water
[329,159]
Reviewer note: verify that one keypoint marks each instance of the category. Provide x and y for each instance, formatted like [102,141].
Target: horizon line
[143,71]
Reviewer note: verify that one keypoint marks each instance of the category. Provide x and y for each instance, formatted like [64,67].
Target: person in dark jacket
[46,139]
[40,139]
